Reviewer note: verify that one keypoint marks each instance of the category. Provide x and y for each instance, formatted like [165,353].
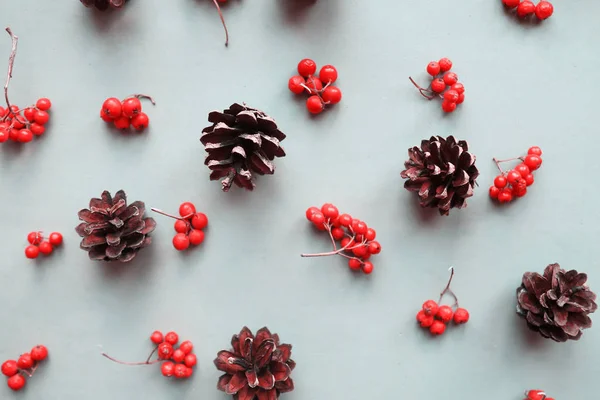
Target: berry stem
[145,96]
[335,249]
[423,91]
[147,362]
[497,162]
[33,369]
[448,290]
[11,62]
[223,22]
[156,210]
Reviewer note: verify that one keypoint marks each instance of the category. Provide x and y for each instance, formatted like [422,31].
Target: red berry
[512,177]
[131,107]
[180,371]
[461,316]
[199,220]
[544,10]
[328,74]
[448,106]
[165,350]
[186,347]
[29,114]
[438,85]
[347,243]
[111,108]
[318,219]
[359,227]
[181,241]
[451,96]
[178,356]
[338,233]
[459,87]
[310,211]
[25,361]
[500,181]
[45,248]
[494,192]
[156,337]
[374,247]
[25,136]
[424,320]
[32,251]
[39,352]
[437,328]
[295,84]
[314,84]
[172,338]
[43,104]
[187,209]
[330,211]
[345,220]
[450,78]
[461,98]
[35,237]
[4,135]
[140,121]
[14,135]
[525,8]
[535,150]
[189,371]
[522,169]
[18,123]
[430,308]
[354,264]
[314,105]
[122,122]
[16,382]
[505,195]
[55,239]
[433,68]
[307,67]
[167,368]
[444,313]
[445,64]
[536,395]
[182,226]
[332,95]
[370,234]
[533,161]
[367,267]
[196,237]
[190,360]
[529,179]
[360,251]
[9,368]
[41,117]
[511,3]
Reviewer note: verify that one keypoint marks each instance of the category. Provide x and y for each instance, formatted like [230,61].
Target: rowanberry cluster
[127,113]
[526,8]
[320,87]
[514,183]
[357,240]
[536,395]
[435,317]
[188,226]
[38,245]
[26,365]
[444,84]
[176,361]
[22,125]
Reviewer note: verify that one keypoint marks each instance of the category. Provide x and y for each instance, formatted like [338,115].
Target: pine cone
[557,304]
[113,231]
[258,367]
[104,5]
[241,141]
[442,171]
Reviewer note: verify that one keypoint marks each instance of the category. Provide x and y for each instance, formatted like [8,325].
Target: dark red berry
[371,234]
[451,96]
[511,3]
[529,179]
[338,233]
[314,84]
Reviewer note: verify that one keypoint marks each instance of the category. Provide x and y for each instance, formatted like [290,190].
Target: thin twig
[223,22]
[156,210]
[144,96]
[151,354]
[497,162]
[131,363]
[11,62]
[422,90]
[447,288]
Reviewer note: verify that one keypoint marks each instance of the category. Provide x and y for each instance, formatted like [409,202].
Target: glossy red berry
[10,368]
[41,117]
[156,337]
[437,328]
[430,308]
[354,264]
[180,371]
[536,395]
[338,233]
[330,211]
[522,169]
[511,3]
[450,78]
[182,226]
[533,161]
[448,106]
[444,313]
[310,211]
[360,251]
[25,361]
[39,352]
[199,220]
[140,121]
[181,241]
[122,122]
[328,74]
[505,195]
[186,347]
[451,96]
[345,220]
[307,67]
[359,227]
[367,267]
[16,382]
[529,179]
[371,234]
[29,114]
[438,85]
[25,136]
[187,209]
[512,177]
[43,104]
[461,316]
[318,218]
[196,237]
[424,320]
[544,9]
[172,338]
[445,64]
[525,8]
[45,248]
[190,360]
[494,192]
[433,68]
[4,135]
[178,356]
[165,350]
[35,238]
[500,181]
[332,95]
[314,105]
[112,107]
[374,247]
[314,84]
[295,84]
[55,239]
[32,251]
[167,368]
[131,107]
[535,150]
[459,87]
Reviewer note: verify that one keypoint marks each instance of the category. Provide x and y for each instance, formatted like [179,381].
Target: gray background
[354,336]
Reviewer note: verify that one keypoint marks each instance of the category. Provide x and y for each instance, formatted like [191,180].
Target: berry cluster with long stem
[189,226]
[21,125]
[176,361]
[25,366]
[514,183]
[527,8]
[434,316]
[357,240]
[536,395]
[127,113]
[38,244]
[444,85]
[319,88]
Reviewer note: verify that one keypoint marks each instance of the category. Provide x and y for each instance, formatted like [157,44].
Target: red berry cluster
[435,317]
[526,8]
[357,240]
[537,395]
[26,365]
[176,361]
[188,226]
[127,113]
[22,125]
[38,245]
[515,182]
[320,88]
[444,84]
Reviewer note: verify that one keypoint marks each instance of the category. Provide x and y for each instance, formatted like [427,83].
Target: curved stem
[147,362]
[11,62]
[497,162]
[223,22]
[448,290]
[145,96]
[422,90]
[156,210]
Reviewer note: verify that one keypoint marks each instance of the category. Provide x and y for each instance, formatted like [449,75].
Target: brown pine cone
[103,5]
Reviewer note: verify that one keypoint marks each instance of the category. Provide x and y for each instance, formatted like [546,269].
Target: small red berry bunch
[515,182]
[38,245]
[176,361]
[26,365]
[188,226]
[526,8]
[21,125]
[444,84]
[308,82]
[357,240]
[127,113]
[536,395]
[435,317]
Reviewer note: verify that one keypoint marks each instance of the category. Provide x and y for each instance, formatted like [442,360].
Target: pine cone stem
[147,362]
[156,210]
[223,22]
[144,96]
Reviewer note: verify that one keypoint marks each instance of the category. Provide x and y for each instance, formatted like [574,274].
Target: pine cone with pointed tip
[104,5]
[258,367]
[112,230]
[442,171]
[241,141]
[556,304]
